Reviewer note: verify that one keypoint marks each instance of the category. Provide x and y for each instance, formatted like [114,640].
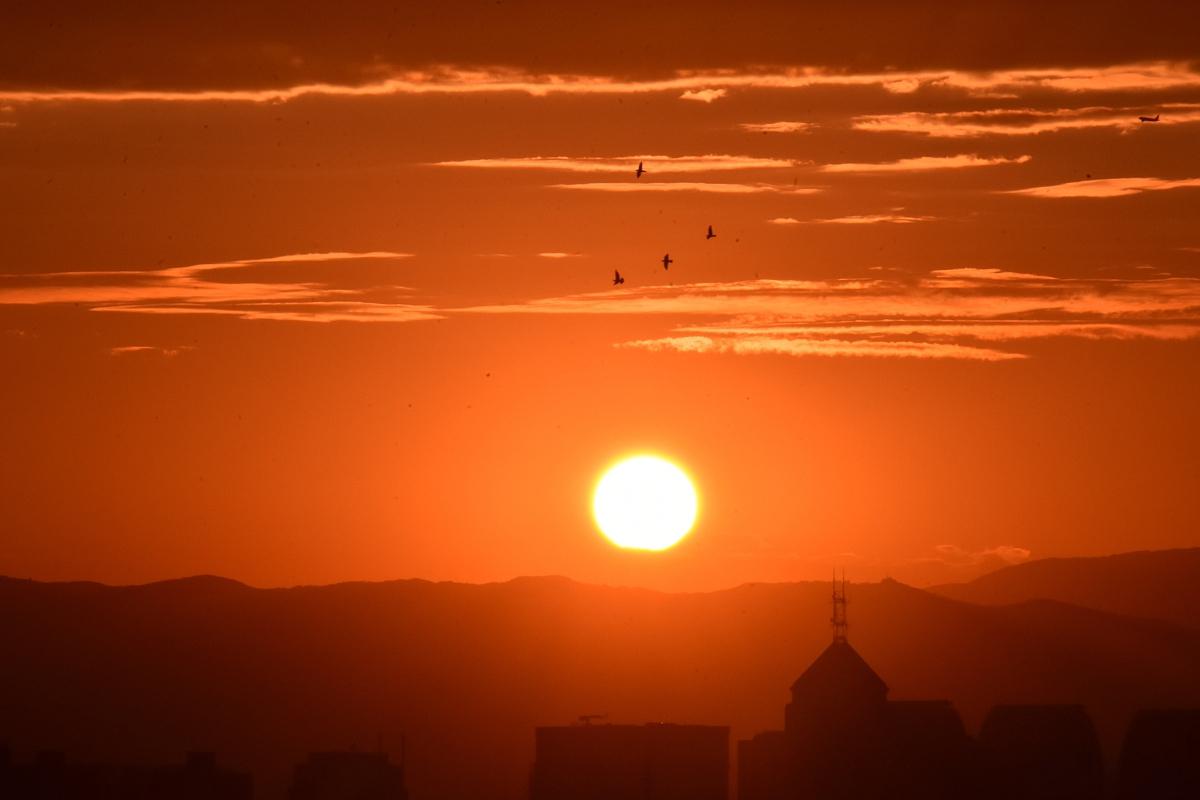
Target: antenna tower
[838,620]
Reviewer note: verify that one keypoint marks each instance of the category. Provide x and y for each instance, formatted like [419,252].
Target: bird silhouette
[1148,119]
[667,261]
[641,169]
[617,279]
[710,235]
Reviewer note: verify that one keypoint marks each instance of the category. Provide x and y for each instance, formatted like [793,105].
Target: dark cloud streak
[274,43]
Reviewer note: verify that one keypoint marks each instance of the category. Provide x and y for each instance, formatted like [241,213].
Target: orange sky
[305,297]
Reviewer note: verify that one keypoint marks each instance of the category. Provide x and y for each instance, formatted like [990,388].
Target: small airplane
[640,170]
[710,235]
[617,279]
[1148,119]
[667,261]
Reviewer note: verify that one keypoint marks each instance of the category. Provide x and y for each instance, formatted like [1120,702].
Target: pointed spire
[838,620]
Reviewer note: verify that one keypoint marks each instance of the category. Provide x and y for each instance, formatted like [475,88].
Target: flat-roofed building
[658,761]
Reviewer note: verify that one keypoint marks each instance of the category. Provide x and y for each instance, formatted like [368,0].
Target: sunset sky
[318,292]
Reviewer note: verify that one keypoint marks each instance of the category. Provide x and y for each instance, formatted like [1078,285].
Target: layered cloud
[704,86]
[777,127]
[1107,187]
[966,313]
[148,350]
[654,165]
[805,346]
[1025,121]
[925,163]
[686,186]
[217,288]
[998,556]
[704,95]
[854,219]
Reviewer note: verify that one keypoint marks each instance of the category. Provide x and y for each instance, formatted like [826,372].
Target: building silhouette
[348,775]
[631,762]
[1160,758]
[1041,752]
[844,739]
[50,776]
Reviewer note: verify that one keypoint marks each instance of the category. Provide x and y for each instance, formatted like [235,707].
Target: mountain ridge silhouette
[465,671]
[1153,584]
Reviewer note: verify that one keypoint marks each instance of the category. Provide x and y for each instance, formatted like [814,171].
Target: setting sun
[644,503]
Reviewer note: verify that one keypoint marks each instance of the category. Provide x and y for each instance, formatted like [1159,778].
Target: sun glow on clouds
[802,346]
[698,85]
[626,164]
[198,289]
[684,186]
[1022,121]
[777,127]
[924,163]
[1106,187]
[144,349]
[854,219]
[703,95]
[945,314]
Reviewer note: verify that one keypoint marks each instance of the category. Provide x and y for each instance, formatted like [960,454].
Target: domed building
[844,739]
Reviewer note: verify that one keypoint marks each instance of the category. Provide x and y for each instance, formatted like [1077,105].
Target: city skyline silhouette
[476,399]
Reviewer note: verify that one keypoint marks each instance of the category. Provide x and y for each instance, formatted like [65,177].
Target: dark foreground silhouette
[141,674]
[50,776]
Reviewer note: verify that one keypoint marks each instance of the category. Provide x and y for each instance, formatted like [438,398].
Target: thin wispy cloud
[348,311]
[1106,187]
[1023,121]
[654,164]
[925,163]
[1141,77]
[956,556]
[801,346]
[950,330]
[777,127]
[703,95]
[144,349]
[209,288]
[685,186]
[970,313]
[559,255]
[854,219]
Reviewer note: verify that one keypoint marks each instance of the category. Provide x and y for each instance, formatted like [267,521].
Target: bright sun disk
[644,503]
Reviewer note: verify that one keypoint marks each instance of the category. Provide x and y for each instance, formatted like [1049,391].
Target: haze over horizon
[298,294]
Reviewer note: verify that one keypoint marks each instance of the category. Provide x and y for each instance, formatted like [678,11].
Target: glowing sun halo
[644,503]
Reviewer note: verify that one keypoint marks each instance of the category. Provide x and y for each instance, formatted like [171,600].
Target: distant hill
[1158,584]
[465,672]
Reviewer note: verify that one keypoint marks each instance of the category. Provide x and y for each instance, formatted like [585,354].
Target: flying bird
[667,261]
[617,279]
[641,169]
[1148,119]
[710,235]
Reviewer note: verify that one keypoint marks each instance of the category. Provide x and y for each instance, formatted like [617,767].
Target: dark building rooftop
[1042,751]
[1160,759]
[631,762]
[51,776]
[348,775]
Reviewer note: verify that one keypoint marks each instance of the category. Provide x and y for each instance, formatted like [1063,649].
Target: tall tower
[839,695]
[838,620]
